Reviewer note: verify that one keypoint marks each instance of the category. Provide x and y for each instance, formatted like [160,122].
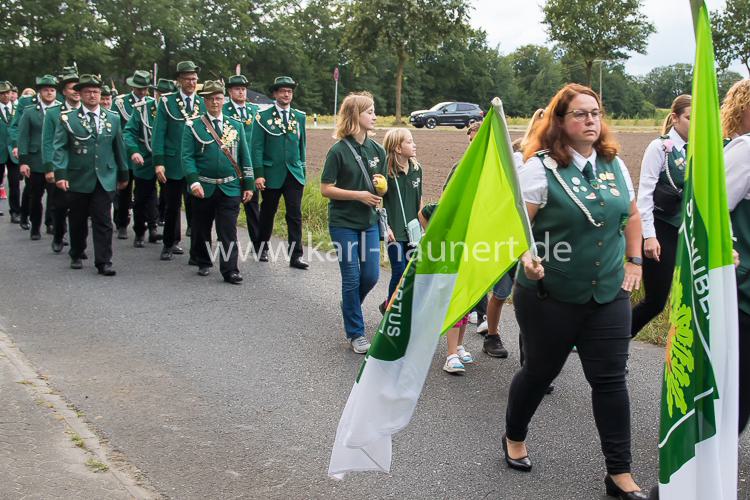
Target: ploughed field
[439,149]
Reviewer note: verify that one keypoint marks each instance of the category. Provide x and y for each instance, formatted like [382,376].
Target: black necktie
[684,149]
[242,113]
[92,122]
[217,126]
[588,172]
[286,122]
[188,106]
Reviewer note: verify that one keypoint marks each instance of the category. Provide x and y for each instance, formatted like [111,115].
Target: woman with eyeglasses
[660,206]
[580,200]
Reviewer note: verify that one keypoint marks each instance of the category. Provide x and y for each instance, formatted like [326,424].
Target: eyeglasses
[580,115]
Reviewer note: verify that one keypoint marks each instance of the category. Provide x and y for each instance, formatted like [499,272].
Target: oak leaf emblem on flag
[680,362]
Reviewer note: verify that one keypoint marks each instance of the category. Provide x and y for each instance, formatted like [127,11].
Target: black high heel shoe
[523,464]
[614,491]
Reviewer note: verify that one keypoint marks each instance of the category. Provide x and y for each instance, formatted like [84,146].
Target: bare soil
[439,149]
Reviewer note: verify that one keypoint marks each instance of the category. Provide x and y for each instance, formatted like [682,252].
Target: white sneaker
[453,365]
[473,317]
[482,329]
[360,345]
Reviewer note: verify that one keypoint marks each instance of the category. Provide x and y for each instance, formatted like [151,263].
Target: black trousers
[657,277]
[223,211]
[601,332]
[145,213]
[98,206]
[188,199]
[25,199]
[162,201]
[252,217]
[38,185]
[60,200]
[744,370]
[123,203]
[14,186]
[173,191]
[292,191]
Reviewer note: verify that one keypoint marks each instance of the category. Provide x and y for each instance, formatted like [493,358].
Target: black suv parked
[458,114]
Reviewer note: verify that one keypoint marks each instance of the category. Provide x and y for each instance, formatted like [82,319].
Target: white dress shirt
[652,165]
[533,177]
[737,164]
[96,112]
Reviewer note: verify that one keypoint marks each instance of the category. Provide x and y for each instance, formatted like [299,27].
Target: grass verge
[655,332]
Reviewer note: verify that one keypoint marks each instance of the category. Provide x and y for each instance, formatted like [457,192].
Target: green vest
[278,149]
[30,138]
[170,122]
[741,228]
[137,137]
[582,261]
[83,156]
[674,174]
[202,158]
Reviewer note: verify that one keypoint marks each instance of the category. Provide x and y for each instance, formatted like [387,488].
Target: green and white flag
[699,413]
[476,234]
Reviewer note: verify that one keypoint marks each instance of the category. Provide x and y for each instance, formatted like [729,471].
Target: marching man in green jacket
[124,104]
[7,164]
[90,164]
[30,153]
[67,81]
[238,108]
[278,149]
[217,167]
[137,138]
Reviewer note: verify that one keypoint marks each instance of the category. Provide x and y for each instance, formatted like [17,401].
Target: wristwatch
[635,260]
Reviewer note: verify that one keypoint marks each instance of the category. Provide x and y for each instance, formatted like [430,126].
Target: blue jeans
[399,253]
[359,261]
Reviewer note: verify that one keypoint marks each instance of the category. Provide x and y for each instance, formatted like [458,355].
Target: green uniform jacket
[123,106]
[5,137]
[202,157]
[277,149]
[82,157]
[167,138]
[21,105]
[30,137]
[51,121]
[137,137]
[250,111]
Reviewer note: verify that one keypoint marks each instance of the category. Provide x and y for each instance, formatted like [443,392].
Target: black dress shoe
[15,218]
[25,225]
[153,236]
[76,264]
[523,464]
[57,246]
[177,250]
[233,278]
[298,263]
[122,233]
[138,242]
[263,256]
[203,271]
[614,491]
[36,236]
[106,270]
[166,254]
[84,256]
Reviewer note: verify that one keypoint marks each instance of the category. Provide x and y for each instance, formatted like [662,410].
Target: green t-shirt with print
[409,185]
[341,169]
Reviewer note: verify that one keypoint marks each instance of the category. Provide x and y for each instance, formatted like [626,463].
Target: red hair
[549,133]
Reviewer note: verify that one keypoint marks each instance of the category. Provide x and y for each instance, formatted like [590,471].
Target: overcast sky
[513,23]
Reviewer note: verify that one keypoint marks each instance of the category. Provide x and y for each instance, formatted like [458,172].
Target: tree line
[410,54]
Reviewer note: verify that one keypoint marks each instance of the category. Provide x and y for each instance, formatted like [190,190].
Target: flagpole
[497,104]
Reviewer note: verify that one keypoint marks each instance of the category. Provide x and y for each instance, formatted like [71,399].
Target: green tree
[538,72]
[405,28]
[661,85]
[731,30]
[597,29]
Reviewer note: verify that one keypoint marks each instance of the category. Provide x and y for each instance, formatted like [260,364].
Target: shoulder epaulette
[300,111]
[54,104]
[121,96]
[66,111]
[167,94]
[665,136]
[542,153]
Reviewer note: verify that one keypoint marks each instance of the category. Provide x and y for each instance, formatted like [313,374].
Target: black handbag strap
[361,164]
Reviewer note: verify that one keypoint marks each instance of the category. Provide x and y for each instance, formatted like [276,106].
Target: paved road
[217,391]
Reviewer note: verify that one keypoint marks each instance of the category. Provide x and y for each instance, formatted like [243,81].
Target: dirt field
[439,149]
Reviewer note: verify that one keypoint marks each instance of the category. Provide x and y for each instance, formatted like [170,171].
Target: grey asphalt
[219,391]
